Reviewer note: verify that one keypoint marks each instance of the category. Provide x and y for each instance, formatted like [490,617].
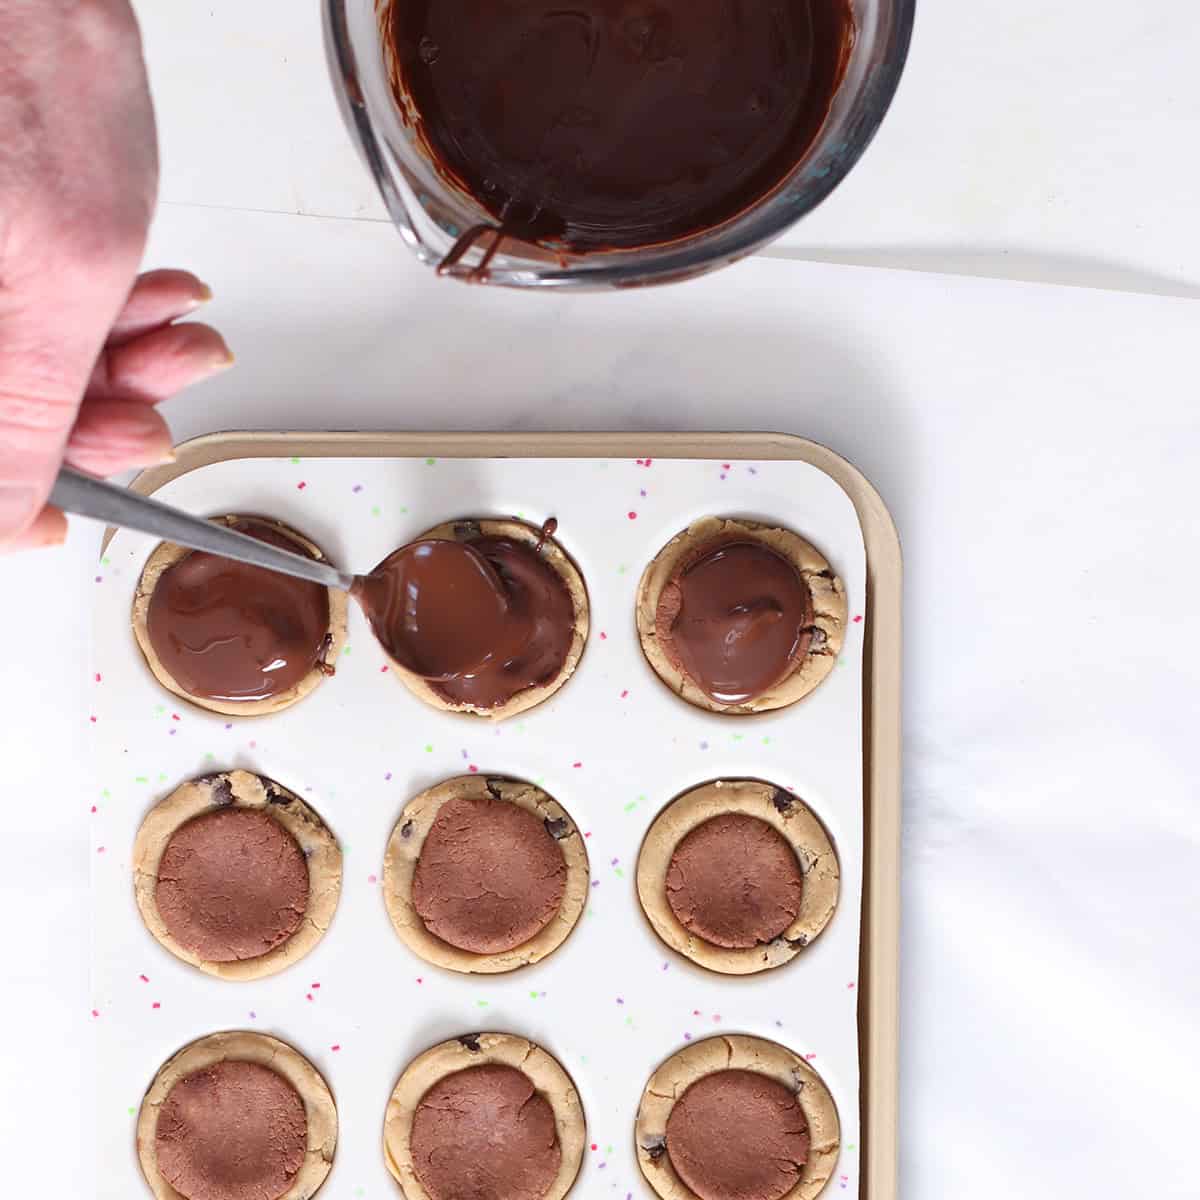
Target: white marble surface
[1037,446]
[1027,141]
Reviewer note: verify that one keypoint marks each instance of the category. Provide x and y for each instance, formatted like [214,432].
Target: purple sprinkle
[387,777]
[687,1037]
[603,1165]
[643,491]
[614,862]
[724,476]
[172,732]
[619,1000]
[703,745]
[253,1015]
[466,755]
[357,488]
[595,883]
[99,578]
[666,966]
[752,470]
[229,726]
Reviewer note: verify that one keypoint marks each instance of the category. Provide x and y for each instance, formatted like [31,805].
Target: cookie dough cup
[405,890]
[735,1053]
[168,555]
[424,1074]
[182,850]
[824,634]
[782,812]
[553,555]
[250,1054]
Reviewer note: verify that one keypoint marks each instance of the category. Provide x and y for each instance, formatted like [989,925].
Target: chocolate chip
[493,787]
[818,639]
[275,796]
[222,790]
[782,801]
[323,665]
[557,827]
[406,829]
[655,1148]
[471,1042]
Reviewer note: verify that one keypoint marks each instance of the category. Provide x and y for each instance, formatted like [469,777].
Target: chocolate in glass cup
[445,216]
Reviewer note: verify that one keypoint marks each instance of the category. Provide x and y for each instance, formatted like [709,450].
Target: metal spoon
[87,497]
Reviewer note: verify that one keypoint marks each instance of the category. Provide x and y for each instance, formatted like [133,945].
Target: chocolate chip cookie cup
[236,875]
[739,617]
[484,875]
[735,1117]
[237,1116]
[738,876]
[235,639]
[547,587]
[485,1114]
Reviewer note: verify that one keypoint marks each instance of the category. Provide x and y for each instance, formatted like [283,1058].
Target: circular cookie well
[404,852]
[826,631]
[167,555]
[546,1074]
[271,1053]
[783,812]
[254,794]
[735,1052]
[555,557]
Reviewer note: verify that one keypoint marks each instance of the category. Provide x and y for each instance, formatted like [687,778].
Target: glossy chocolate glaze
[736,618]
[612,124]
[481,618]
[227,631]
[738,1135]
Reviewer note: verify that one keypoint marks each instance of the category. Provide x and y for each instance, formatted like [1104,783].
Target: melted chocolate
[440,610]
[735,882]
[232,1131]
[232,885]
[485,1134]
[735,618]
[490,876]
[541,605]
[738,1135]
[610,124]
[231,632]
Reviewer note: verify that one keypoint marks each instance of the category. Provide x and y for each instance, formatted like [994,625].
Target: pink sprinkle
[632,515]
[603,636]
[97,676]
[588,834]
[850,985]
[156,1005]
[372,879]
[695,1012]
[716,1018]
[420,980]
[301,485]
[309,997]
[335,1048]
[93,808]
[724,466]
[624,693]
[593,1145]
[316,987]
[253,744]
[176,717]
[99,849]
[95,1012]
[577,765]
[857,620]
[92,719]
[144,978]
[383,670]
[809,1057]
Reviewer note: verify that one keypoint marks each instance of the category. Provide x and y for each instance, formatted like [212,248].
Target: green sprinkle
[429,462]
[850,1147]
[374,510]
[620,873]
[141,779]
[106,794]
[631,806]
[106,562]
[533,995]
[520,516]
[766,741]
[132,1111]
[210,757]
[162,777]
[607,1149]
[482,1003]
[160,709]
[583,1058]
[345,649]
[538,782]
[737,737]
[295,462]
[629,1022]
[428,749]
[404,508]
[360,1191]
[622,569]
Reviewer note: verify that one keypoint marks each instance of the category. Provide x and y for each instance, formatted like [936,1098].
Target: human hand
[85,351]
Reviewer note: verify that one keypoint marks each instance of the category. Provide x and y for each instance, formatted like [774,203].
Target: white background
[1037,446]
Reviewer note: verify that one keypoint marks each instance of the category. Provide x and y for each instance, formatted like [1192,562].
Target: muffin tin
[614,747]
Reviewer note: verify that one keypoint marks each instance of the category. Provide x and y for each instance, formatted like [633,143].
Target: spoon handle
[87,497]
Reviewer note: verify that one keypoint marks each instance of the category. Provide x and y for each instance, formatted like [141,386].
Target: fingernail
[204,294]
[168,457]
[17,506]
[224,361]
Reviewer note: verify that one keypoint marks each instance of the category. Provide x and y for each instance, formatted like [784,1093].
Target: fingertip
[49,528]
